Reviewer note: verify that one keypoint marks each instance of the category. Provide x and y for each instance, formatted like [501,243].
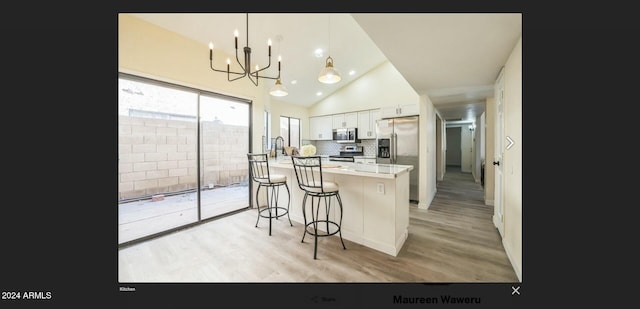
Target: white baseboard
[496,221]
[352,236]
[357,237]
[387,248]
[400,241]
[426,204]
[507,249]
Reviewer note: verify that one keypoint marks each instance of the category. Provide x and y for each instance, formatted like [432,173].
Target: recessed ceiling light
[318,53]
[319,93]
[352,72]
[293,82]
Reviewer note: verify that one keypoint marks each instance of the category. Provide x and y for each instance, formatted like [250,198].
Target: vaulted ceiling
[453,58]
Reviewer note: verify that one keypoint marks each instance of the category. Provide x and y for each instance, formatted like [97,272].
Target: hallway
[457,234]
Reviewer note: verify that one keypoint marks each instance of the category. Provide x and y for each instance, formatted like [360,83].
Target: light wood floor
[453,241]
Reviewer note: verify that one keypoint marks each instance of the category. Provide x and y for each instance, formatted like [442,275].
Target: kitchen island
[375,199]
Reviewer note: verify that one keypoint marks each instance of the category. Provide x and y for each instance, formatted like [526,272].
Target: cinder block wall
[159,155]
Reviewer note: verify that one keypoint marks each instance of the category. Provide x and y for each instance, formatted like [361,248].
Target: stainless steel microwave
[345,135]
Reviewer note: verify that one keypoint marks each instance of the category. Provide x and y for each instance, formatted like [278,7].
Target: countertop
[349,168]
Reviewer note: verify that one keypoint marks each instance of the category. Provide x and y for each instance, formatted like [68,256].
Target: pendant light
[278,90]
[329,75]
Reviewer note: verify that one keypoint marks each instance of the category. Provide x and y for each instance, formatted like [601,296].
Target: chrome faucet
[275,151]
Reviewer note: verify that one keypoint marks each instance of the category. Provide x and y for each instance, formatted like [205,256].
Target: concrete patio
[145,217]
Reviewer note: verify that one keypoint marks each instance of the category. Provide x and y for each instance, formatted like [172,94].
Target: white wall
[440,148]
[478,149]
[466,149]
[382,86]
[489,132]
[427,153]
[278,108]
[150,51]
[483,136]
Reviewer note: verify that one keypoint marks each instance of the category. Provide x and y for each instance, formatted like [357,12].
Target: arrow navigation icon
[511,142]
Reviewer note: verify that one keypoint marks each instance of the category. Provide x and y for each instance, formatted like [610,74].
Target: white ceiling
[454,58]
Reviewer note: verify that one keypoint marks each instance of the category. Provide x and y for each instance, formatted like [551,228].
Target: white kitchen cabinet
[367,123]
[399,110]
[320,128]
[347,120]
[351,120]
[375,203]
[374,115]
[364,160]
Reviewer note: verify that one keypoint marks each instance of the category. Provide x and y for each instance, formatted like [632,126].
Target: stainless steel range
[347,153]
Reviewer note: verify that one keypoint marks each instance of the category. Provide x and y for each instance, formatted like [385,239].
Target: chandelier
[254,76]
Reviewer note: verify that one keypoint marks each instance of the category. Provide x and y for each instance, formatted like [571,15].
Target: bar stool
[309,175]
[259,169]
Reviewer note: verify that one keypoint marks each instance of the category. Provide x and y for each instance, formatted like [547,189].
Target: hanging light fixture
[254,76]
[329,75]
[278,90]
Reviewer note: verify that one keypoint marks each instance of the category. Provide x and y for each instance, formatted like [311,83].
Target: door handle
[395,148]
[496,163]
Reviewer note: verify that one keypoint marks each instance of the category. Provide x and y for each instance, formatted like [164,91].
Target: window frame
[289,129]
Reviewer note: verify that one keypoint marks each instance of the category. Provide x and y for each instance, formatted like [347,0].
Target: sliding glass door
[181,156]
[224,132]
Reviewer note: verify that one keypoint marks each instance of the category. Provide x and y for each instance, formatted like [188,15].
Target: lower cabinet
[376,209]
[364,160]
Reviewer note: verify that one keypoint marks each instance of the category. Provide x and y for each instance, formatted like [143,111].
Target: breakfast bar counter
[375,200]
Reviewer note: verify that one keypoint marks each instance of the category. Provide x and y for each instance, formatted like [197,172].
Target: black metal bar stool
[259,169]
[309,175]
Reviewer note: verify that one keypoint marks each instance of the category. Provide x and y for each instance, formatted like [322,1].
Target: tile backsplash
[333,148]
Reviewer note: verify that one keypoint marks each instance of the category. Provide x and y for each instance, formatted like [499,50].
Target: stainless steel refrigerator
[397,143]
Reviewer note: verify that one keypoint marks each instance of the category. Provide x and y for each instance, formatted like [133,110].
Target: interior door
[498,154]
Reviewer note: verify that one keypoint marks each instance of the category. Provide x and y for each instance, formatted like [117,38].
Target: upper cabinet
[348,120]
[367,123]
[320,128]
[400,110]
